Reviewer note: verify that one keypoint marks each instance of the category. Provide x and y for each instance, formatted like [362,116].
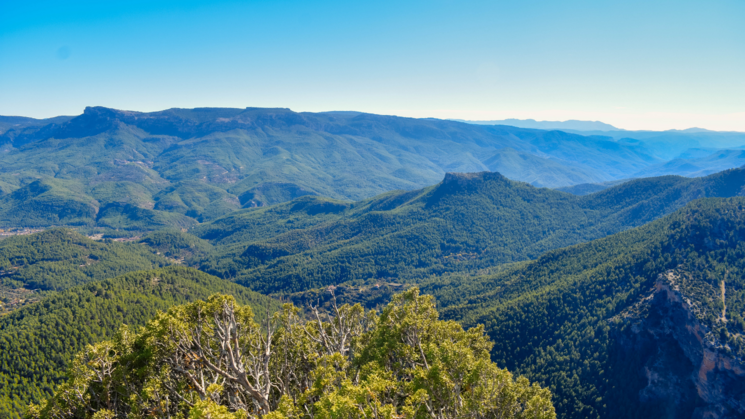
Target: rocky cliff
[690,370]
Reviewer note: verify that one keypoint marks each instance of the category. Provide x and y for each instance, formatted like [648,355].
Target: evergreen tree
[211,359]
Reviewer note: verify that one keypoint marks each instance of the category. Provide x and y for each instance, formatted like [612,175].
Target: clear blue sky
[635,64]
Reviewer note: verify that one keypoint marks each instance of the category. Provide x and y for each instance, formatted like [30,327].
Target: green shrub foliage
[212,359]
[38,341]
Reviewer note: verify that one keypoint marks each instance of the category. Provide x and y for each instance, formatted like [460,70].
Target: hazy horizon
[635,65]
[504,121]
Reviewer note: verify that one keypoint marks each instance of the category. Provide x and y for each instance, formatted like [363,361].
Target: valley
[620,293]
[372,210]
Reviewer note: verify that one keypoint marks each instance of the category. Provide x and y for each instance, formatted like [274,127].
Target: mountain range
[132,171]
[621,291]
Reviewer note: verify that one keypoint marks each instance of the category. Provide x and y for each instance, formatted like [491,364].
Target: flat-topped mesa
[188,123]
[454,182]
[471,184]
[94,120]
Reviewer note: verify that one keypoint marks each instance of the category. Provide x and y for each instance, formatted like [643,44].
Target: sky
[634,64]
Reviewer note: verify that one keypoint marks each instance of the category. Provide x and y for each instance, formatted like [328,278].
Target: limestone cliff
[689,369]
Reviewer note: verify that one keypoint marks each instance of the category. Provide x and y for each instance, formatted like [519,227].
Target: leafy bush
[211,359]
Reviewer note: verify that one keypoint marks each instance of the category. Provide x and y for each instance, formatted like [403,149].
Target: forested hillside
[58,259]
[588,188]
[313,260]
[644,323]
[590,321]
[38,341]
[467,223]
[176,244]
[32,266]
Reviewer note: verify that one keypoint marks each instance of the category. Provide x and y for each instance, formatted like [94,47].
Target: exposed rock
[687,370]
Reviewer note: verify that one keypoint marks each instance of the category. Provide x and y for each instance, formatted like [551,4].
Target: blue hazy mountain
[698,162]
[667,145]
[18,123]
[548,125]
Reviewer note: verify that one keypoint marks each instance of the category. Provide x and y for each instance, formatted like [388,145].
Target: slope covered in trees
[38,341]
[467,223]
[57,259]
[586,321]
[211,359]
[644,323]
[37,265]
[588,188]
[176,244]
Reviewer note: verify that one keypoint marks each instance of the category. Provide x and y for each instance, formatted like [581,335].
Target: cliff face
[689,372]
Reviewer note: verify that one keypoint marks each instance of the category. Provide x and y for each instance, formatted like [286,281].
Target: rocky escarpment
[688,370]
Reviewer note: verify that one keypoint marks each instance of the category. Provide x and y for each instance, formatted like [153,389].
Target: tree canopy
[39,341]
[212,359]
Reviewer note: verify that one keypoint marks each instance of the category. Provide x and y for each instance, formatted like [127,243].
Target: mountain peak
[458,183]
[93,121]
[97,110]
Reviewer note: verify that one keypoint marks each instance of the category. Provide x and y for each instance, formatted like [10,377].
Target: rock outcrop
[687,368]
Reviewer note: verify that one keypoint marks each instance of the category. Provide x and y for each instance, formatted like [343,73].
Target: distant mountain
[663,144]
[698,162]
[135,171]
[667,145]
[127,171]
[19,122]
[535,170]
[548,125]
